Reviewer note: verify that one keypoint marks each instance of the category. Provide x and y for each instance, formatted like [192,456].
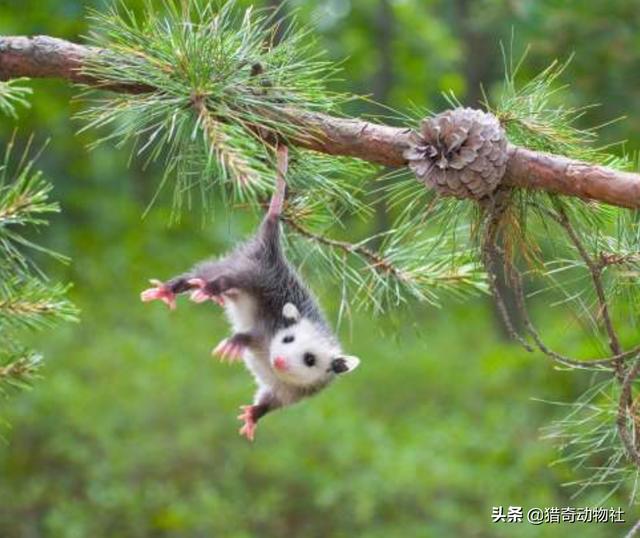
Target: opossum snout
[280,363]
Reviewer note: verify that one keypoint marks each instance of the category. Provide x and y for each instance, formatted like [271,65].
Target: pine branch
[613,258]
[601,424]
[24,201]
[47,57]
[29,303]
[374,259]
[27,300]
[406,265]
[588,438]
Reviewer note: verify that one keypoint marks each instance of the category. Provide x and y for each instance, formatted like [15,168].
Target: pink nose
[280,363]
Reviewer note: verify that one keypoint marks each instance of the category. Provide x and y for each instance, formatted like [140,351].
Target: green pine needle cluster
[219,83]
[18,368]
[12,94]
[28,301]
[534,115]
[614,244]
[407,265]
[587,439]
[410,261]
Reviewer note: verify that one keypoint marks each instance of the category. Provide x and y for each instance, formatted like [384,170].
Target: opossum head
[304,354]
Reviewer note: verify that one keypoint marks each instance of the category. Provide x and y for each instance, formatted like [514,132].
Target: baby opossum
[278,327]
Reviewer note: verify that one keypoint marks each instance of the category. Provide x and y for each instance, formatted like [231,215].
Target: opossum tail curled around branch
[277,200]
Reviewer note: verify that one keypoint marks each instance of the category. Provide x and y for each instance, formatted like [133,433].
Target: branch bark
[49,57]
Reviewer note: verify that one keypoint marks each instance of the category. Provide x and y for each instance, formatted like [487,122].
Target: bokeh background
[132,430]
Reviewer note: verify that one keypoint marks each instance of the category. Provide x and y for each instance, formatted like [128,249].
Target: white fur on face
[307,341]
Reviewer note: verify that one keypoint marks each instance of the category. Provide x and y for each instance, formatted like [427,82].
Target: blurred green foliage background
[132,431]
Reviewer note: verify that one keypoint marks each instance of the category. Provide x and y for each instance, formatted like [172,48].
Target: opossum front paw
[159,292]
[200,294]
[230,349]
[248,416]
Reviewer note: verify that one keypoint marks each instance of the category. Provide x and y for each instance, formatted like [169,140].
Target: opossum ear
[290,312]
[345,363]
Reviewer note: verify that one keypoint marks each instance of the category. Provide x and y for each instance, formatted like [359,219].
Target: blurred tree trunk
[382,84]
[478,47]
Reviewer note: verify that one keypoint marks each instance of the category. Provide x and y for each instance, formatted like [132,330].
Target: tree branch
[596,276]
[48,57]
[626,432]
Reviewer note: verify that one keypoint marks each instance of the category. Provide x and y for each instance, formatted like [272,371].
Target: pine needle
[12,94]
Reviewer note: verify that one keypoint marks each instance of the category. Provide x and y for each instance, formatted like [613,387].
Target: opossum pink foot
[200,295]
[229,350]
[248,429]
[159,292]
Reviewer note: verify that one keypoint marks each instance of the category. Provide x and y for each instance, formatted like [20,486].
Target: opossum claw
[200,295]
[159,292]
[248,429]
[229,350]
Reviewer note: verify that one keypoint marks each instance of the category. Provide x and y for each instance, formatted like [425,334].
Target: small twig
[20,307]
[596,276]
[495,208]
[623,406]
[20,205]
[604,362]
[374,259]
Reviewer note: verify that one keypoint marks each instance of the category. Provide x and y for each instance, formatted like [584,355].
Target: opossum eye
[288,339]
[309,359]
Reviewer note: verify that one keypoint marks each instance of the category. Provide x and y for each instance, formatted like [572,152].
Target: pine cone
[461,153]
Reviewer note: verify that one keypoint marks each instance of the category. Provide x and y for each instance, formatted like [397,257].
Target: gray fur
[260,267]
